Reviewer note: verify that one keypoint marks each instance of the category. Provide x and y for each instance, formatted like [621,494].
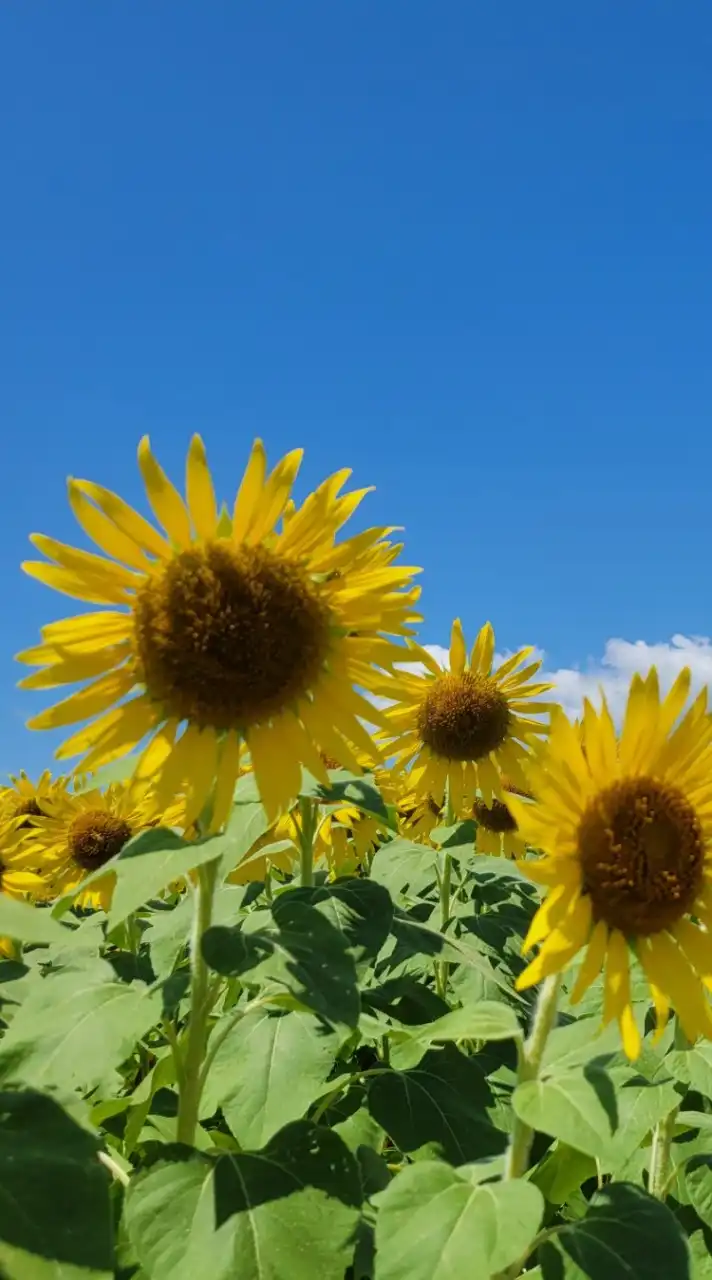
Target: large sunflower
[626,826]
[462,727]
[78,833]
[223,630]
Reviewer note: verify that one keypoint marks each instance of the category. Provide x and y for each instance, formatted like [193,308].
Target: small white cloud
[613,671]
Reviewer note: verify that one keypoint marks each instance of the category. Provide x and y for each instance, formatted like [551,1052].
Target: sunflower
[461,728]
[625,823]
[418,816]
[346,839]
[223,631]
[497,831]
[23,801]
[78,833]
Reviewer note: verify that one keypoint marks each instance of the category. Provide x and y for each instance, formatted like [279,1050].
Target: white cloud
[612,672]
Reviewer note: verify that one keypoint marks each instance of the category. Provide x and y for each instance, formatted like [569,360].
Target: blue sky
[463,248]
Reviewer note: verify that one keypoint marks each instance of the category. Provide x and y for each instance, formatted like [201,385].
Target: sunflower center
[96,836]
[494,817]
[641,848]
[228,636]
[464,717]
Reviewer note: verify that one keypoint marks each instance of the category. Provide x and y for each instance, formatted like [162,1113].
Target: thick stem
[445,891]
[191,1083]
[530,1058]
[308,820]
[659,1178]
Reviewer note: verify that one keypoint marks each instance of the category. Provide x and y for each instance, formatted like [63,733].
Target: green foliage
[324,1079]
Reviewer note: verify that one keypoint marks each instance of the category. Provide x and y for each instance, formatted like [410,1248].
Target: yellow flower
[223,630]
[346,839]
[22,802]
[78,833]
[497,831]
[625,823]
[418,816]
[463,727]
[19,877]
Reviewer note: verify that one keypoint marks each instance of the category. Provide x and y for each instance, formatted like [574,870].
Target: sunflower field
[319,959]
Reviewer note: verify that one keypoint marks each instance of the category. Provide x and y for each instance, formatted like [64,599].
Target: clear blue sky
[464,248]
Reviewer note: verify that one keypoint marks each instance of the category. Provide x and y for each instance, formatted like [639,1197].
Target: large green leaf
[348,790]
[305,953]
[361,909]
[624,1235]
[75,1028]
[640,1107]
[578,1106]
[443,1101]
[267,1071]
[150,862]
[434,1223]
[698,1182]
[692,1067]
[54,1193]
[287,1212]
[401,865]
[489,1020]
[31,924]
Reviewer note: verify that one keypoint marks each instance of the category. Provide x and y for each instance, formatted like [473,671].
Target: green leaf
[698,1181]
[577,1106]
[360,909]
[640,1107]
[149,862]
[305,953]
[267,1072]
[442,1101]
[625,1235]
[287,1212]
[692,1067]
[54,1193]
[562,1171]
[347,789]
[75,1028]
[701,1257]
[488,1020]
[31,924]
[402,864]
[434,1224]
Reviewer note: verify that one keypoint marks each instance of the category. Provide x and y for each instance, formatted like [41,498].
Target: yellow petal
[202,767]
[228,773]
[592,963]
[250,491]
[669,969]
[165,500]
[275,496]
[88,702]
[76,669]
[199,491]
[133,525]
[79,586]
[458,653]
[277,789]
[483,650]
[104,532]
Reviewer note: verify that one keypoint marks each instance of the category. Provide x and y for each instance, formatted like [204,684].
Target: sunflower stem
[659,1180]
[445,891]
[308,821]
[200,1003]
[530,1055]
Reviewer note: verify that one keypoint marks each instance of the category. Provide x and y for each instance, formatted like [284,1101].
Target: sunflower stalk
[659,1179]
[445,886]
[307,825]
[201,998]
[530,1054]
